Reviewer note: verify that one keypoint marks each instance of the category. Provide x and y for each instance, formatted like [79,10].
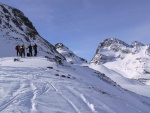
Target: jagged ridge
[69,55]
[112,49]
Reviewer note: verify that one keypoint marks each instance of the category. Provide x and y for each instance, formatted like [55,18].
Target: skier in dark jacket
[18,50]
[30,50]
[35,49]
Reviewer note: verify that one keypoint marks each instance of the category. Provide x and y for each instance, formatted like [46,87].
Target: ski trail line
[81,96]
[34,89]
[53,87]
[46,88]
[91,106]
[6,104]
[70,102]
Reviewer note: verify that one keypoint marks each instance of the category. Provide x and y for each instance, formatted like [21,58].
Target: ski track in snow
[32,86]
[91,106]
[34,97]
[66,97]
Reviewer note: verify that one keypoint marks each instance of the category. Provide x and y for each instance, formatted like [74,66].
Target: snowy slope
[38,85]
[16,28]
[133,67]
[69,55]
[127,83]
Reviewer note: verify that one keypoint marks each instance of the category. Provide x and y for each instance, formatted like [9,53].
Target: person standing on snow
[30,50]
[35,49]
[23,50]
[18,50]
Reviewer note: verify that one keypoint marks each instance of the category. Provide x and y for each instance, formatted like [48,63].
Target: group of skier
[21,50]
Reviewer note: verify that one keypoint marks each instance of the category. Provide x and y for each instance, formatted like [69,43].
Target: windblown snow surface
[38,85]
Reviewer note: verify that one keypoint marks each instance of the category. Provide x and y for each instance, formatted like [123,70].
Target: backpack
[17,47]
[28,54]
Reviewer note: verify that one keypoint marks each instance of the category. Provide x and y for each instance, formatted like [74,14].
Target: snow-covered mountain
[131,61]
[114,49]
[44,84]
[69,55]
[16,28]
[39,85]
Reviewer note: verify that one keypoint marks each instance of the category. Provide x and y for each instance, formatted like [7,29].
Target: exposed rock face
[113,49]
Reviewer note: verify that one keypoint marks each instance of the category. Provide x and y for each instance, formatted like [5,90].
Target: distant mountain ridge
[136,43]
[112,49]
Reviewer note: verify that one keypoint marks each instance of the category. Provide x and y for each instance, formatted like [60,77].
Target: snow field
[28,86]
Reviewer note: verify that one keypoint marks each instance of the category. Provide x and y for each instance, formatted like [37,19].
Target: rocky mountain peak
[112,41]
[114,49]
[136,43]
[68,54]
[11,16]
[61,46]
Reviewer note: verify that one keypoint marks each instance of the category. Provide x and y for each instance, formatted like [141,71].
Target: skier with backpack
[35,49]
[18,50]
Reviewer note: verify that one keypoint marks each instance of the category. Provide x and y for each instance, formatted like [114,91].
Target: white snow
[37,85]
[127,83]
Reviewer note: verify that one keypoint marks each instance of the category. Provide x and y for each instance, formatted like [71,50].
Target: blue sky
[82,24]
